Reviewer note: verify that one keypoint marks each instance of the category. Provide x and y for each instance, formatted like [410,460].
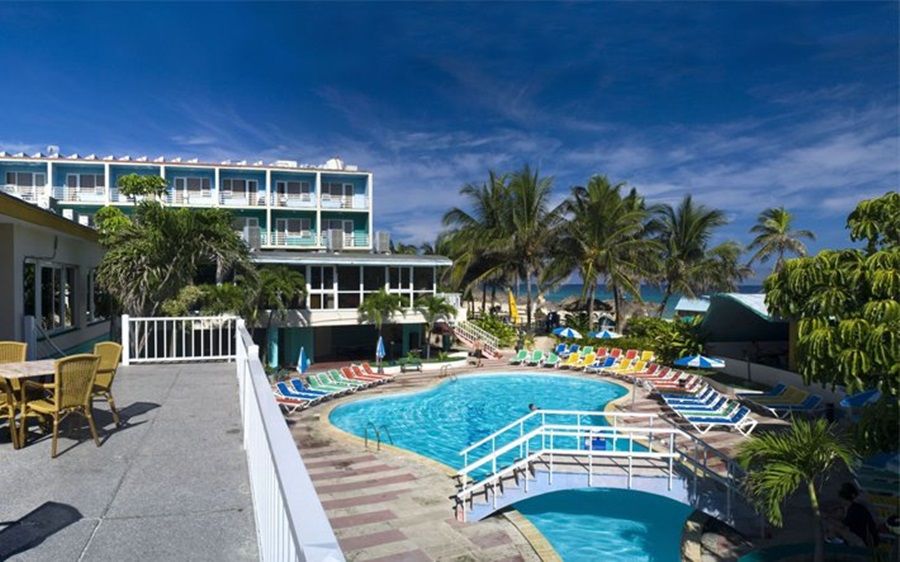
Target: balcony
[294,200]
[32,194]
[192,198]
[352,202]
[290,239]
[93,195]
[249,199]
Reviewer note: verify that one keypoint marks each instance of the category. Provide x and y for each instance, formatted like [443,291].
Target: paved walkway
[170,485]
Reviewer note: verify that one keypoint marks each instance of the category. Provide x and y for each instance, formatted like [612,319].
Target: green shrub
[504,333]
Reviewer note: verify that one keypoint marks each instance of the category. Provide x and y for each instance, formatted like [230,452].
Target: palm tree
[684,233]
[280,289]
[532,227]
[380,308]
[152,255]
[604,238]
[774,237]
[433,308]
[778,464]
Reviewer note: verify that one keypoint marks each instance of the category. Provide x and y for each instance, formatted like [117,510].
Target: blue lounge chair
[561,349]
[600,364]
[700,396]
[776,390]
[705,398]
[300,387]
[289,392]
[573,349]
[810,404]
[720,405]
[740,420]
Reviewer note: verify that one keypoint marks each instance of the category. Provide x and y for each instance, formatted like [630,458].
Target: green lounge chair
[586,350]
[319,382]
[536,357]
[521,356]
[552,360]
[337,378]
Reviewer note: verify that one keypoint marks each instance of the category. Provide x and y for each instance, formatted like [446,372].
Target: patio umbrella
[700,362]
[379,349]
[565,332]
[303,361]
[513,309]
[605,335]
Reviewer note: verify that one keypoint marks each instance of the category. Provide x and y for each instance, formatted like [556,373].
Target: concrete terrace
[172,484]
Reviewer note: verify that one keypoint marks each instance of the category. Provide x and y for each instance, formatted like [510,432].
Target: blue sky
[745,105]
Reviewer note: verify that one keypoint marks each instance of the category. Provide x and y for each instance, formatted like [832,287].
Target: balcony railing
[290,521]
[25,192]
[235,199]
[328,201]
[80,194]
[294,200]
[200,198]
[310,239]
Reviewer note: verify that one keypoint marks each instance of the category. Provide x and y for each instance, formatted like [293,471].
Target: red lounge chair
[367,369]
[358,374]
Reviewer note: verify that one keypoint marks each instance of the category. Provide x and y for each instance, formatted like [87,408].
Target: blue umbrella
[303,361]
[605,335]
[379,350]
[700,362]
[567,333]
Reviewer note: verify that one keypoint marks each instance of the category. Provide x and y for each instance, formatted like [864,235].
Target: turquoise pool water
[601,524]
[593,524]
[438,423]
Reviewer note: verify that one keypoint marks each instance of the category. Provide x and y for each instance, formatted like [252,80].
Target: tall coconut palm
[685,232]
[433,308]
[477,238]
[774,237]
[780,463]
[604,238]
[532,225]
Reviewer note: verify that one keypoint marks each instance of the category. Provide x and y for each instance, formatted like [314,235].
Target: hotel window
[236,187]
[293,226]
[321,287]
[348,286]
[400,283]
[86,182]
[97,299]
[199,185]
[50,294]
[25,179]
[240,222]
[293,190]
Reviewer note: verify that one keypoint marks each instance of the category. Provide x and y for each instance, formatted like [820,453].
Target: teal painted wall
[358,182]
[293,176]
[21,167]
[292,340]
[61,170]
[115,172]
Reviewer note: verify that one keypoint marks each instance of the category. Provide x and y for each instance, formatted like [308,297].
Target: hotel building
[316,219]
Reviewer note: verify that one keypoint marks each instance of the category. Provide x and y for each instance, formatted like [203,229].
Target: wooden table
[26,370]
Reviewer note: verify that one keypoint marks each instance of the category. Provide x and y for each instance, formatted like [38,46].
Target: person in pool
[532,408]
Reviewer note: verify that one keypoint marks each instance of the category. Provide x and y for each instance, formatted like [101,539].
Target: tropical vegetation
[379,309]
[433,308]
[846,306]
[780,463]
[775,237]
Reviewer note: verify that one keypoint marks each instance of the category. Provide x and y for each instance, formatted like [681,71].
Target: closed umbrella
[565,332]
[303,361]
[700,362]
[513,309]
[379,351]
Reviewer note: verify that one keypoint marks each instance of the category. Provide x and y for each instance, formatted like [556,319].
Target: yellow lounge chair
[647,356]
[791,395]
[585,361]
[635,367]
[570,361]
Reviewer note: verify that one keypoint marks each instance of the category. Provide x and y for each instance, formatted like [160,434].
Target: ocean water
[649,293]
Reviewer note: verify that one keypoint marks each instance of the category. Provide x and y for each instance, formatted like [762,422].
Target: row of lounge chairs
[587,359]
[303,391]
[694,401]
[783,400]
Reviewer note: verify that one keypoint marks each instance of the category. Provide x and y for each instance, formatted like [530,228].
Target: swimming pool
[602,524]
[580,524]
[440,422]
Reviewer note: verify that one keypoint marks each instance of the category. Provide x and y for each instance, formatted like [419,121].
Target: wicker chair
[110,354]
[71,392]
[10,390]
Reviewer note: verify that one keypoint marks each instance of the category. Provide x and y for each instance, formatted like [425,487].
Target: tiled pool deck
[169,485]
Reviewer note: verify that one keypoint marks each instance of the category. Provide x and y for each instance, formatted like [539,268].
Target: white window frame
[99,182]
[204,191]
[34,179]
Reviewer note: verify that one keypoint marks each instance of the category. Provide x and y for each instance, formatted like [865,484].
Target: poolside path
[385,505]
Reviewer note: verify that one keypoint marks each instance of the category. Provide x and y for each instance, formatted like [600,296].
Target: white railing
[290,521]
[471,333]
[294,200]
[514,447]
[170,339]
[24,192]
[453,299]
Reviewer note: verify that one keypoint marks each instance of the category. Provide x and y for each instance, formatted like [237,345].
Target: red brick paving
[339,462]
[410,556]
[374,539]
[368,483]
[362,519]
[362,500]
[490,540]
[346,473]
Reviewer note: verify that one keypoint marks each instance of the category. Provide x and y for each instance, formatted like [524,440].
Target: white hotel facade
[318,220]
